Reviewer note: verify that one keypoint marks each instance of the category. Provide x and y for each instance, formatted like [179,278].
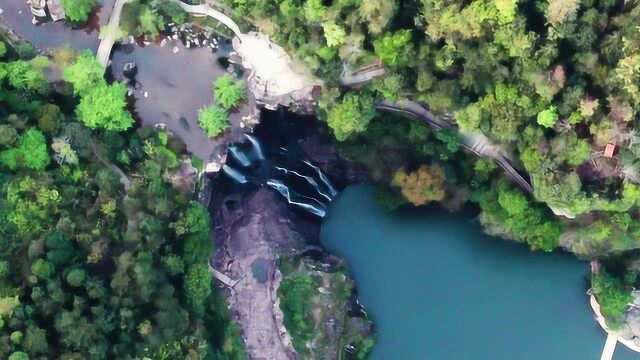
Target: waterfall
[288,194]
[234,174]
[308,179]
[242,158]
[255,144]
[270,170]
[324,178]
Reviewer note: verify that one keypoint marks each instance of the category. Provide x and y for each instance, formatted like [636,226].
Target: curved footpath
[206,10]
[475,143]
[107,43]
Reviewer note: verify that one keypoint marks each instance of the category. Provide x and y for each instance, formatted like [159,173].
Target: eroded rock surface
[255,232]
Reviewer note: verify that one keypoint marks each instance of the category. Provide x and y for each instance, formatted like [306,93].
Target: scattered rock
[130,69]
[175,49]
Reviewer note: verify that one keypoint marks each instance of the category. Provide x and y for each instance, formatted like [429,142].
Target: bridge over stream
[222,277]
[110,37]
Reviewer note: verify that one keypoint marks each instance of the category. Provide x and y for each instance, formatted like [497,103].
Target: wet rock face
[129,70]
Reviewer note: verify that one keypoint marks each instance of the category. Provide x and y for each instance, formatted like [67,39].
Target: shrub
[213,120]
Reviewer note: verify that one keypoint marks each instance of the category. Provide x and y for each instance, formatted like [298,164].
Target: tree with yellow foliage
[421,186]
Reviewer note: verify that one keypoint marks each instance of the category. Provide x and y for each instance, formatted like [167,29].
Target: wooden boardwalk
[224,279]
[204,9]
[107,42]
[476,143]
[609,348]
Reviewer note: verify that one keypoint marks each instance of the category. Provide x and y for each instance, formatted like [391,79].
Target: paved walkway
[106,43]
[476,143]
[206,10]
[609,348]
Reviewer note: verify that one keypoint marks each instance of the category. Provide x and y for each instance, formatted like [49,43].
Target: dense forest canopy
[552,82]
[555,83]
[103,251]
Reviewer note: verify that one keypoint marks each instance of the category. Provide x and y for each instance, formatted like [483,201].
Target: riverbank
[625,334]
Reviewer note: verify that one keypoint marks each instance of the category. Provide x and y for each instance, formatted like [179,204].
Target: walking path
[476,143]
[224,279]
[206,10]
[106,43]
[609,347]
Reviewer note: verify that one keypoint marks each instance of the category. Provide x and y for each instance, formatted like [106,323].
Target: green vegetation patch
[309,299]
[101,255]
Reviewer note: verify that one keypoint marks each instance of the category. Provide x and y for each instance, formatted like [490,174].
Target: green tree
[85,73]
[42,269]
[351,115]
[31,152]
[614,296]
[16,337]
[26,75]
[197,287]
[76,277]
[173,11]
[8,135]
[104,107]
[314,10]
[228,92]
[213,120]
[19,355]
[395,49]
[377,14]
[194,220]
[507,10]
[78,10]
[150,22]
[548,117]
[469,118]
[35,341]
[4,269]
[333,33]
[296,293]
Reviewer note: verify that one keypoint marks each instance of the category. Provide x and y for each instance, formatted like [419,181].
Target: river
[437,288]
